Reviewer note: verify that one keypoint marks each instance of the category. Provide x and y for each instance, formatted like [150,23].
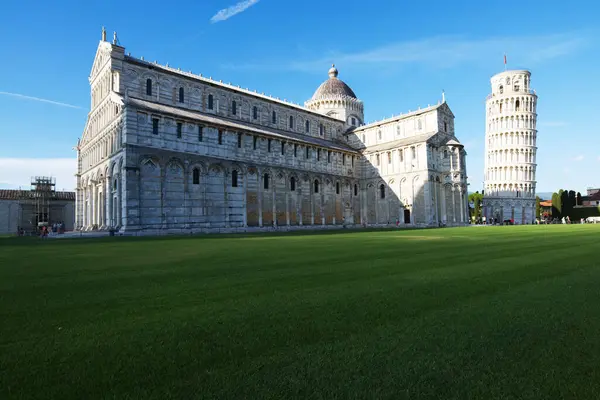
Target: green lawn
[468,313]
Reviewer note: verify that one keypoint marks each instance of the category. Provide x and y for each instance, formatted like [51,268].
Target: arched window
[321,129]
[500,108]
[378,161]
[382,191]
[501,89]
[266,181]
[379,135]
[149,87]
[292,184]
[291,122]
[115,185]
[419,125]
[196,176]
[210,101]
[316,186]
[254,112]
[181,95]
[307,126]
[355,189]
[233,107]
[401,155]
[517,104]
[445,153]
[445,127]
[274,117]
[234,178]
[337,188]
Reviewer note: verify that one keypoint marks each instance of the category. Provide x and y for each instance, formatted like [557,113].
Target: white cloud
[578,158]
[446,51]
[229,12]
[24,97]
[17,172]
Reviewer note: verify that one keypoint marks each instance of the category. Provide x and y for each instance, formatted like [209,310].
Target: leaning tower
[510,148]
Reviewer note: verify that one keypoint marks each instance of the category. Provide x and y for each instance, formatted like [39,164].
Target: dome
[333,87]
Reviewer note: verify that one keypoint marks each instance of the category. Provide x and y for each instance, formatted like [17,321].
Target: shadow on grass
[34,240]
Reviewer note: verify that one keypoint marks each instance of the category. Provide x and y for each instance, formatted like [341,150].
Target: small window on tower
[501,89]
[517,87]
[353,121]
[233,107]
[181,95]
[254,112]
[179,129]
[517,105]
[355,189]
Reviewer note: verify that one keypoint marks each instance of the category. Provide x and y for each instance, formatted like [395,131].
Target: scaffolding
[43,190]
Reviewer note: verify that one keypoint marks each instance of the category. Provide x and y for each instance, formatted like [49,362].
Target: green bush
[579,212]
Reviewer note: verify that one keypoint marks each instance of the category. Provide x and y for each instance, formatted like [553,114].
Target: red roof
[547,203]
[10,194]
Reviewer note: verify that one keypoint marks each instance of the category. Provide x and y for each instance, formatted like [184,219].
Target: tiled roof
[547,203]
[237,125]
[11,194]
[593,197]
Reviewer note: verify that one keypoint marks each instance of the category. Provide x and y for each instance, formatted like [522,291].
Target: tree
[476,199]
[538,208]
[565,204]
[556,205]
[578,199]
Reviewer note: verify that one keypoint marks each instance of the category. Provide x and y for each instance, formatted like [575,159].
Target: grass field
[477,313]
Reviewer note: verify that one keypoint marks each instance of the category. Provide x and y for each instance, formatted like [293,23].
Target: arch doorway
[406,216]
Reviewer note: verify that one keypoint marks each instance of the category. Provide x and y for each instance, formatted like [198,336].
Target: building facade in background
[510,148]
[22,209]
[165,150]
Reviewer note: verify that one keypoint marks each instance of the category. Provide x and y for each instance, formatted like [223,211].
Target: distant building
[26,209]
[592,198]
[166,150]
[510,148]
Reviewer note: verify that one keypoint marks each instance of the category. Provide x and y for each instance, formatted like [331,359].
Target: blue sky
[395,55]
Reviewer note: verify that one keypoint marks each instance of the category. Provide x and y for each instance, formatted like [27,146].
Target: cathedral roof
[333,87]
[237,125]
[14,194]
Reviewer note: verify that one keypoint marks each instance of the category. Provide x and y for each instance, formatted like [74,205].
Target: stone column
[453,205]
[109,201]
[444,208]
[274,201]
[462,205]
[287,207]
[428,201]
[260,192]
[226,198]
[245,217]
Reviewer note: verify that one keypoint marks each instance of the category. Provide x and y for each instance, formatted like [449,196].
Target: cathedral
[168,151]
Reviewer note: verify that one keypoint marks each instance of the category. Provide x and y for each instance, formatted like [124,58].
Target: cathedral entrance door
[407,216]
